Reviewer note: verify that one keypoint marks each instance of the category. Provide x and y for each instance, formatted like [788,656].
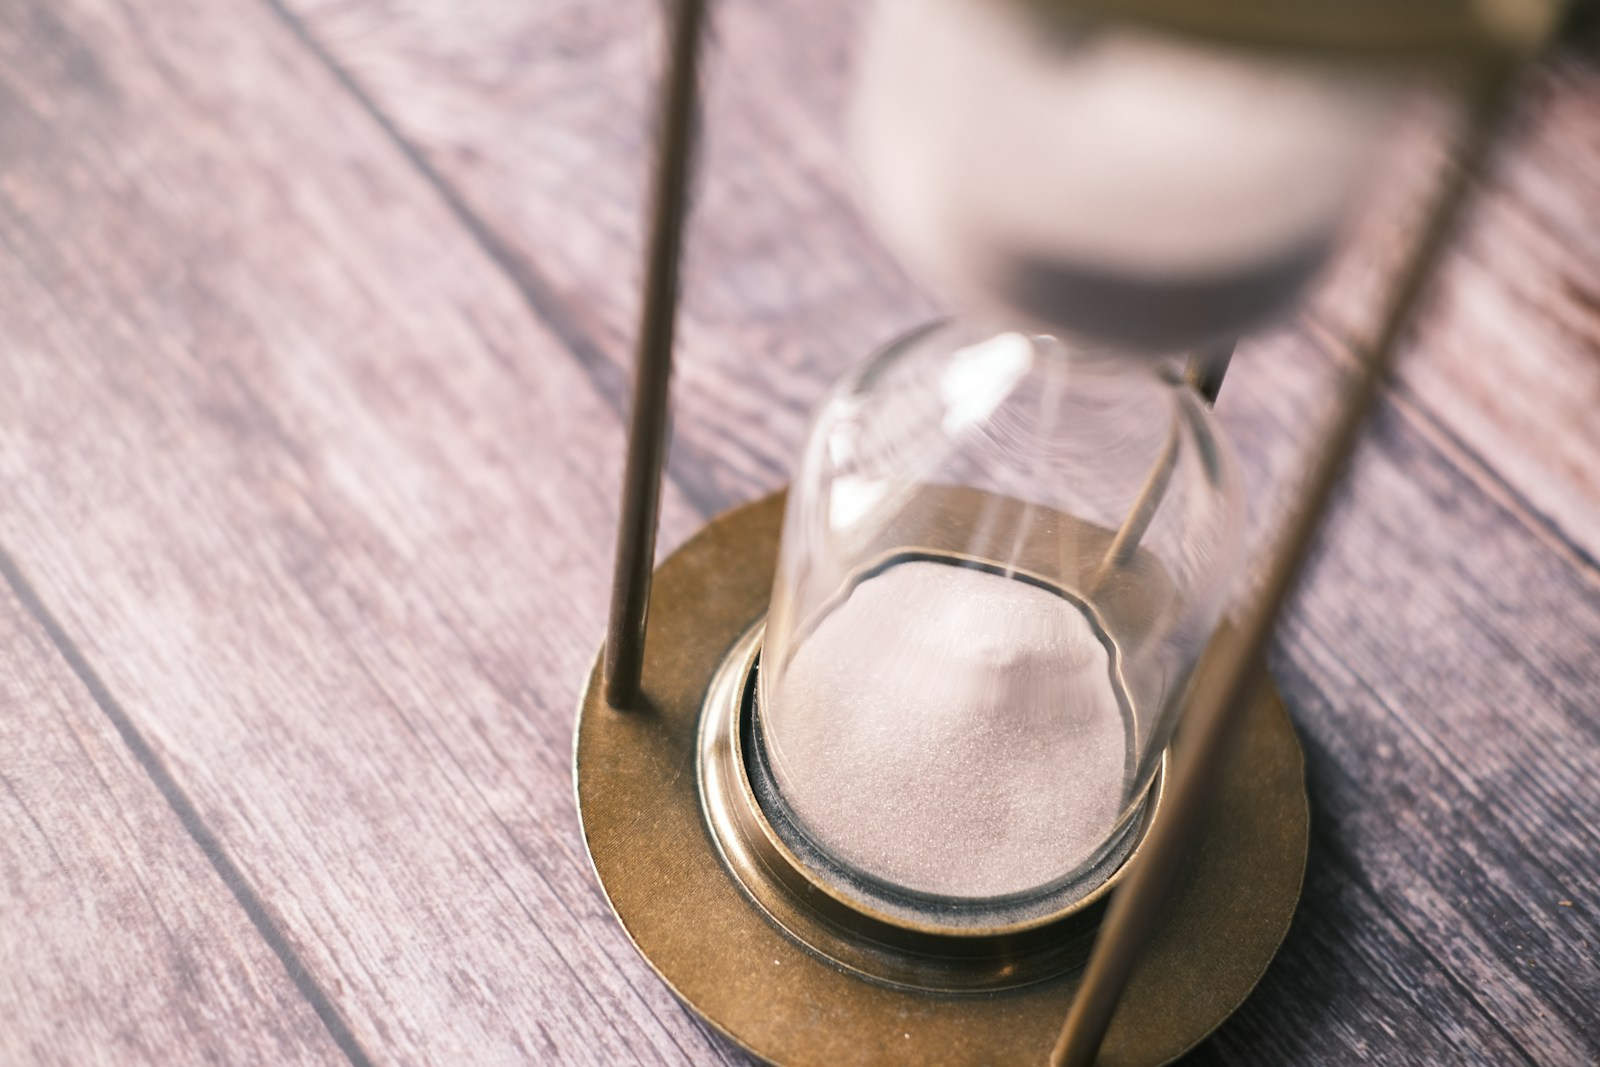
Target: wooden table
[314,316]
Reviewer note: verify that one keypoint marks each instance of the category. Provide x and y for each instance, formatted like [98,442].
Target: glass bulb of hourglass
[1009,539]
[1101,180]
[971,658]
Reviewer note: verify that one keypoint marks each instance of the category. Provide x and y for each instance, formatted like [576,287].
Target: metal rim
[916,950]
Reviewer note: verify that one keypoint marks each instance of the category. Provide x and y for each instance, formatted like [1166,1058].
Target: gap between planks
[187,814]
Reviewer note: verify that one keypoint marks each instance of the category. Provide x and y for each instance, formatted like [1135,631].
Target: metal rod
[647,430]
[1226,681]
[1204,372]
[1141,514]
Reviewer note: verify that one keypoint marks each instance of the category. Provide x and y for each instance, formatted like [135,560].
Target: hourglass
[897,737]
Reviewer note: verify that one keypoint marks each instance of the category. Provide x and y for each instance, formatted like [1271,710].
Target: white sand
[951,731]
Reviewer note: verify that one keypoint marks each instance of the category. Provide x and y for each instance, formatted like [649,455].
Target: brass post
[1223,686]
[647,430]
[1203,372]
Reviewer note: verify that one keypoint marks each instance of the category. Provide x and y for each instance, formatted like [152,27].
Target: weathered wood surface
[123,936]
[326,508]
[313,320]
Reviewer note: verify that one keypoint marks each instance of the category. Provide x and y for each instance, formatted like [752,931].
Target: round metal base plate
[647,837]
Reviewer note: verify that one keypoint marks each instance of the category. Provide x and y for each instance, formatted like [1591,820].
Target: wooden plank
[1446,698]
[121,942]
[329,512]
[538,115]
[1511,365]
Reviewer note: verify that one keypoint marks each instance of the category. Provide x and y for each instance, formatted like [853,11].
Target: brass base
[639,781]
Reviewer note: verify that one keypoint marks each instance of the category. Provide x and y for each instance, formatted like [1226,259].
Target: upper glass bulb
[1001,559]
[1102,180]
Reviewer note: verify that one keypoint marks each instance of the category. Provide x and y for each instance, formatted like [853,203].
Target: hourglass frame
[717,898]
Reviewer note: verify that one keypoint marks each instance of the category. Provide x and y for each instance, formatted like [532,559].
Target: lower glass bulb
[1001,559]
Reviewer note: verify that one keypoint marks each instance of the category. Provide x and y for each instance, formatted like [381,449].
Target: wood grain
[1453,736]
[783,286]
[1510,369]
[314,320]
[327,509]
[122,944]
